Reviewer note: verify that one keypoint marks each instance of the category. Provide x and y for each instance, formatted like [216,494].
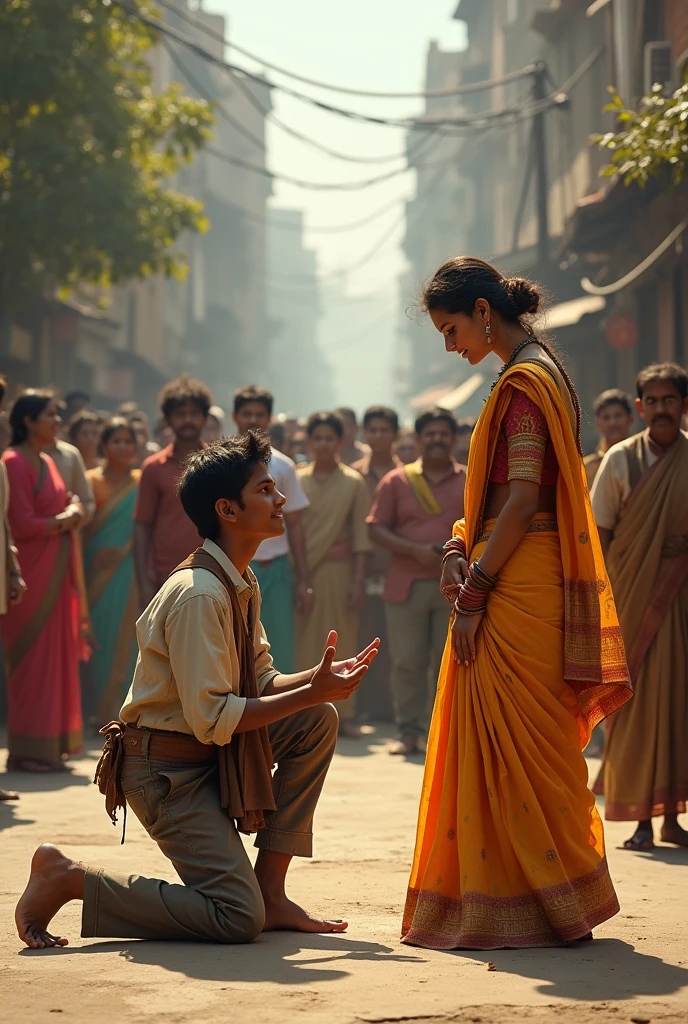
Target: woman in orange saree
[510,846]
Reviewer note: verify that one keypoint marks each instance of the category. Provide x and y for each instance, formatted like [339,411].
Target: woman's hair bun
[523,294]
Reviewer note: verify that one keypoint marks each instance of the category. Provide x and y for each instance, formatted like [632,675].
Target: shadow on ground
[620,971]
[269,959]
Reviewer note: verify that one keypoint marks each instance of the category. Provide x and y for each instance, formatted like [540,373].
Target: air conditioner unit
[660,67]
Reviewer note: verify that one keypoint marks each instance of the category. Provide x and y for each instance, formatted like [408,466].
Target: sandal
[8,794]
[404,747]
[640,842]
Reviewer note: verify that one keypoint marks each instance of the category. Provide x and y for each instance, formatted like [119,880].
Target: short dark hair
[182,390]
[73,396]
[381,412]
[222,470]
[346,413]
[663,371]
[614,396]
[28,405]
[111,428]
[253,393]
[432,416]
[78,421]
[325,419]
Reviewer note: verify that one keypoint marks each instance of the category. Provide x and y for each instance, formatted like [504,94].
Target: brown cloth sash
[245,764]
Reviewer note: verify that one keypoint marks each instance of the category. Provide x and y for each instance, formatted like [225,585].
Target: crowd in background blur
[93,526]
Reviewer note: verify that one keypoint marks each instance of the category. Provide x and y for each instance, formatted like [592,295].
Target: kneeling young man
[206,716]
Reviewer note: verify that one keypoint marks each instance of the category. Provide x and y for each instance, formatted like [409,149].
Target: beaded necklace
[532,340]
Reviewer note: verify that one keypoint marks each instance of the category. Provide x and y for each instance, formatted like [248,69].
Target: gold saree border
[33,628]
[552,916]
[45,748]
[668,800]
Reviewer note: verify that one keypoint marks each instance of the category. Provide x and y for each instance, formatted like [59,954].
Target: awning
[566,314]
[459,396]
[431,396]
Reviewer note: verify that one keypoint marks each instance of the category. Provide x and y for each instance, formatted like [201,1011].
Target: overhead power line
[412,154]
[505,115]
[459,90]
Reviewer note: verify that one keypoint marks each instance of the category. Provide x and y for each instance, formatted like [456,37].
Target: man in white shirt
[205,720]
[272,564]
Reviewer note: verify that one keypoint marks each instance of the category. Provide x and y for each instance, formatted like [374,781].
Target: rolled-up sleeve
[265,669]
[202,669]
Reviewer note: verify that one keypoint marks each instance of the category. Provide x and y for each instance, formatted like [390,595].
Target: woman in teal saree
[109,564]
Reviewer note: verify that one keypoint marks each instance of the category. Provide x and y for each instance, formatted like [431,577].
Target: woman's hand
[464,632]
[454,573]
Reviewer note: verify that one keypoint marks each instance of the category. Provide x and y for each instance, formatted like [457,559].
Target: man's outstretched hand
[337,680]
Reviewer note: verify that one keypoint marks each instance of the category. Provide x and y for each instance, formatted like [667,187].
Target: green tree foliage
[88,148]
[651,139]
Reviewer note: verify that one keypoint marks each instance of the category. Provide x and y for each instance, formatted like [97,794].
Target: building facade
[525,185]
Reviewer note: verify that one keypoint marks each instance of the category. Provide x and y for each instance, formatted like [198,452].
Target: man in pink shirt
[163,534]
[413,513]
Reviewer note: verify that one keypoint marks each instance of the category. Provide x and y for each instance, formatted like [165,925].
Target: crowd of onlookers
[94,526]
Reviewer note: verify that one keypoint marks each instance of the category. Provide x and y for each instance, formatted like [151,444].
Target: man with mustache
[163,534]
[640,501]
[414,510]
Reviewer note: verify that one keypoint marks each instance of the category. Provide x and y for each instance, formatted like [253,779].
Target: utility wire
[507,115]
[267,113]
[460,90]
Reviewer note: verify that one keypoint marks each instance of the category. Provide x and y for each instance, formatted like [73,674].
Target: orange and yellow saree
[510,847]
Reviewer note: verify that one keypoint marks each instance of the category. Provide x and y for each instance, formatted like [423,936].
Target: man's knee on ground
[240,924]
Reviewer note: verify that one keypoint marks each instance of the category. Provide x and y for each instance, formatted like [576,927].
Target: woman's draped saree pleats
[510,846]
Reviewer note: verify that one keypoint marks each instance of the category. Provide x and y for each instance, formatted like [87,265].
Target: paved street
[637,969]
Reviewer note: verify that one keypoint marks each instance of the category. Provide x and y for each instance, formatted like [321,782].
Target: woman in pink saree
[41,635]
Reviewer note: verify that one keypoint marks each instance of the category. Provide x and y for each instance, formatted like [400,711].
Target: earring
[488,333]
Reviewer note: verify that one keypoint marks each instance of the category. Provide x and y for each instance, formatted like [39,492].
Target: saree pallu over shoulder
[510,846]
[594,655]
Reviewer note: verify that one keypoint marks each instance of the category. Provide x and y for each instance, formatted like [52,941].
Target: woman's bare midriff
[498,495]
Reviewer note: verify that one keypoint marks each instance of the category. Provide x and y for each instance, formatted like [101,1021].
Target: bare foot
[8,794]
[54,881]
[673,833]
[284,915]
[404,747]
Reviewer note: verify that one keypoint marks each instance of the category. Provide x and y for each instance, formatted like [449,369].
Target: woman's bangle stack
[454,547]
[472,599]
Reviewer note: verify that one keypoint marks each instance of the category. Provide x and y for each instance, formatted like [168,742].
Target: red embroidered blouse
[524,448]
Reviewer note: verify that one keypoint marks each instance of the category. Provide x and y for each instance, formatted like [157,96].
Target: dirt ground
[636,970]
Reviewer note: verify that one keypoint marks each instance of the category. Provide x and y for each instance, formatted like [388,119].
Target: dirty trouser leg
[409,625]
[179,806]
[303,746]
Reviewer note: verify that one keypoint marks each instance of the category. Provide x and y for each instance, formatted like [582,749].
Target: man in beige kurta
[337,546]
[640,502]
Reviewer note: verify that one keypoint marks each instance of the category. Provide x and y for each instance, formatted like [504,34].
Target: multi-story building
[525,190]
[294,369]
[213,323]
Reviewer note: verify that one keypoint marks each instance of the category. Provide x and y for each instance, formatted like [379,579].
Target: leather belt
[160,745]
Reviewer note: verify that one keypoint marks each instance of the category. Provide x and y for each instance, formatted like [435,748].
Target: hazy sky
[368,44]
